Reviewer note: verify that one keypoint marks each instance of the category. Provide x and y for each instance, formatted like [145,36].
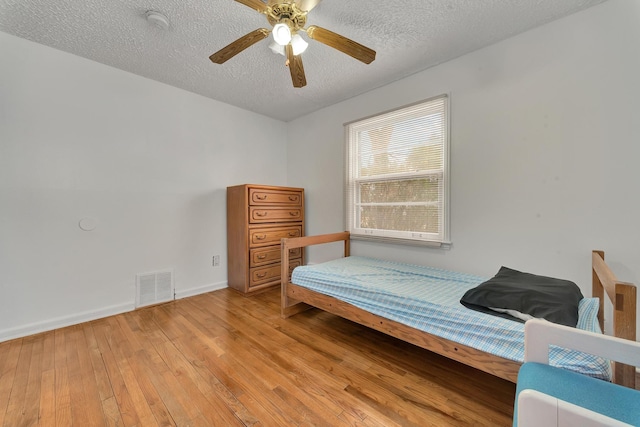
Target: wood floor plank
[107,345]
[31,405]
[99,370]
[199,392]
[168,387]
[10,352]
[47,405]
[222,358]
[140,405]
[138,364]
[197,389]
[15,410]
[227,389]
[93,376]
[48,351]
[128,369]
[153,399]
[112,412]
[85,400]
[62,396]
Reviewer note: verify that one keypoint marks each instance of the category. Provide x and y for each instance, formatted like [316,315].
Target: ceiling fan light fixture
[277,48]
[298,44]
[281,34]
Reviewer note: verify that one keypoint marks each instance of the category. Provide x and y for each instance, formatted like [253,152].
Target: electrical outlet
[216,260]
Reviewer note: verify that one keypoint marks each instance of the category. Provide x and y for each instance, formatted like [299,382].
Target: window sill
[423,243]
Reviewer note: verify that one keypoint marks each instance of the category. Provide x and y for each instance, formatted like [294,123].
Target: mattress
[428,299]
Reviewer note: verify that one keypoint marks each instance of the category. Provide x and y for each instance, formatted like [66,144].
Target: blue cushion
[612,400]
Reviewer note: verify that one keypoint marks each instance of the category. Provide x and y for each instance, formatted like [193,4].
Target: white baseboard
[74,319]
[61,322]
[200,290]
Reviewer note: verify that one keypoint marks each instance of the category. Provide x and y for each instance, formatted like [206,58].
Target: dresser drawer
[264,214]
[271,236]
[269,255]
[270,273]
[258,196]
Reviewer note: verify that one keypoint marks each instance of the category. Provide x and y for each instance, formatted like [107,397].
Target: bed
[361,307]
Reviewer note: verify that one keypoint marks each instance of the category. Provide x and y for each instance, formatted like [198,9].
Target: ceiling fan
[288,17]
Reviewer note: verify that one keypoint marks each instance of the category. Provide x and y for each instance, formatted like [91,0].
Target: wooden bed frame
[296,299]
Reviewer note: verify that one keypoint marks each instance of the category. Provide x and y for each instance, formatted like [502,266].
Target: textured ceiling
[408,35]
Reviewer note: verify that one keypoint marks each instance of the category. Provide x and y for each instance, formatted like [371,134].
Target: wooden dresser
[258,216]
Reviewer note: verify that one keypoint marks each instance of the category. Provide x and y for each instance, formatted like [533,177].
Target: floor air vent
[154,288]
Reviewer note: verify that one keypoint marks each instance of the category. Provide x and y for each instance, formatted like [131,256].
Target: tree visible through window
[397,174]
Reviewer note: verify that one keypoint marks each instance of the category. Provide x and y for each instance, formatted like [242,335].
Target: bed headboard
[623,298]
[290,307]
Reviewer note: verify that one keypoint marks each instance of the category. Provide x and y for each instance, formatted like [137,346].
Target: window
[397,186]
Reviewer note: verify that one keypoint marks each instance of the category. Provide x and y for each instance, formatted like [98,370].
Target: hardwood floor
[221,359]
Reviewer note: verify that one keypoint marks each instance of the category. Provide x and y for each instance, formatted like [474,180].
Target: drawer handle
[263,213]
[261,275]
[293,233]
[261,196]
[294,213]
[261,236]
[262,256]
[293,198]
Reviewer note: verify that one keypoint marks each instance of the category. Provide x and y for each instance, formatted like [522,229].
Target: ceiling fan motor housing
[287,13]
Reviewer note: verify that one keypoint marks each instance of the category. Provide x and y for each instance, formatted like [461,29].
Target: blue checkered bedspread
[428,299]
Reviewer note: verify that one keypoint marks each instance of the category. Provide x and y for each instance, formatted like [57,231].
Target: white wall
[545,147]
[150,162]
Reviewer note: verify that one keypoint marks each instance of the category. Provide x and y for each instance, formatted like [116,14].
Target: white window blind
[396,175]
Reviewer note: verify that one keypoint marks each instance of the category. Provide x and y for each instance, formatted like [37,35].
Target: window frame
[352,204]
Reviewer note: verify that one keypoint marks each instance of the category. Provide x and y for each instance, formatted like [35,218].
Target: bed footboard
[623,298]
[290,306]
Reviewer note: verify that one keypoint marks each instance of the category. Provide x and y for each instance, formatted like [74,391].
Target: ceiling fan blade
[295,67]
[343,44]
[254,4]
[239,45]
[307,5]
